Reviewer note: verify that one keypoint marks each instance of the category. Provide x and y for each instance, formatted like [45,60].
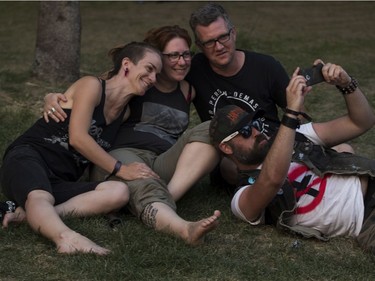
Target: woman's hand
[52,108]
[134,171]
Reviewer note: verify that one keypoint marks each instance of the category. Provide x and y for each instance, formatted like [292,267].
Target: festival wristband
[292,123]
[296,113]
[115,170]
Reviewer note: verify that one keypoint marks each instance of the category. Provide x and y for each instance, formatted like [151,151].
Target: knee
[39,196]
[119,192]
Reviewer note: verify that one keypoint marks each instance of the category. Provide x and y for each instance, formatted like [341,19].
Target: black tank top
[51,140]
[156,121]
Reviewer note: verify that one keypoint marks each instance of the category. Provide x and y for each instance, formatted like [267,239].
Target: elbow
[75,142]
[368,123]
[365,123]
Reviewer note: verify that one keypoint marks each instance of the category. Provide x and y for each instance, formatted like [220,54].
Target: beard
[252,156]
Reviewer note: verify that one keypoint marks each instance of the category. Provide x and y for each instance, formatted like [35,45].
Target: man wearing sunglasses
[222,74]
[295,180]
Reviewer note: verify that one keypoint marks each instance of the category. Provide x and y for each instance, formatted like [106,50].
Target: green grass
[295,33]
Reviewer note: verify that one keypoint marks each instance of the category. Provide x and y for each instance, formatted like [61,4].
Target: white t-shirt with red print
[332,204]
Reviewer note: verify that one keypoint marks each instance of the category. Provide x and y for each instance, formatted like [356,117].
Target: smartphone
[313,75]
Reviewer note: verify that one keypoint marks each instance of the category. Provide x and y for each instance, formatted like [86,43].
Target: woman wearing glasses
[155,134]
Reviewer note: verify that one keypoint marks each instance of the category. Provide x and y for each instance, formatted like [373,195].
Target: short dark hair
[135,51]
[207,14]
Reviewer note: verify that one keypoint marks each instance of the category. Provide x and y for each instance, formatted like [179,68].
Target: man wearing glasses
[296,180]
[223,75]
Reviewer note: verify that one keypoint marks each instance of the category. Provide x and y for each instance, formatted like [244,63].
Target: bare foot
[73,242]
[18,216]
[198,230]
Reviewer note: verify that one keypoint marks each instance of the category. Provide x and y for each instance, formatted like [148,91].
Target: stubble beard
[252,156]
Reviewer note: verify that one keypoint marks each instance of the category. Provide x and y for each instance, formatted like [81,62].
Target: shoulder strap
[307,232]
[246,177]
[188,98]
[281,208]
[102,98]
[283,202]
[121,116]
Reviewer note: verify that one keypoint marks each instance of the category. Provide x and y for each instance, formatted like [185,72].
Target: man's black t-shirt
[261,83]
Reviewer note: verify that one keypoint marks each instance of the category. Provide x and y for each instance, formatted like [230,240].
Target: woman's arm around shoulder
[53,108]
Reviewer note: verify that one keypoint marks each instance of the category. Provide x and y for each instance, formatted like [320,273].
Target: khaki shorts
[146,191]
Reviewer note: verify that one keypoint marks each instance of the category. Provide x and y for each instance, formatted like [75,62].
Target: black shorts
[24,170]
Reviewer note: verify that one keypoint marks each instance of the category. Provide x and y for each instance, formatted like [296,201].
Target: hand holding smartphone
[313,75]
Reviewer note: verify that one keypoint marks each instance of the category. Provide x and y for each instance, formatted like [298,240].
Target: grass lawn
[295,33]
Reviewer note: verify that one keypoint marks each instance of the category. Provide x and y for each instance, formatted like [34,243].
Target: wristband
[353,85]
[290,122]
[296,113]
[115,170]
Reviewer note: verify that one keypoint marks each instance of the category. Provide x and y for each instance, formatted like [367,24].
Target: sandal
[6,207]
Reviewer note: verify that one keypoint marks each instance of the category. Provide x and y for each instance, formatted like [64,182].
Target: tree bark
[57,52]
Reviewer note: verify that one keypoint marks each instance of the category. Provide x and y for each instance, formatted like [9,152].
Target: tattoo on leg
[148,216]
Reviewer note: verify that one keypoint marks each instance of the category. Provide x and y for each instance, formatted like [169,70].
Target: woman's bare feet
[18,216]
[72,242]
[198,230]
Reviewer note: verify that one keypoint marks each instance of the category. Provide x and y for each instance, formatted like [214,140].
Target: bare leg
[196,160]
[107,197]
[44,218]
[162,218]
[104,199]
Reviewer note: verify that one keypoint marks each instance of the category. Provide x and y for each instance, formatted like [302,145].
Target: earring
[126,72]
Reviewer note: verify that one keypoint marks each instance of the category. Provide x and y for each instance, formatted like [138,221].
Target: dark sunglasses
[245,131]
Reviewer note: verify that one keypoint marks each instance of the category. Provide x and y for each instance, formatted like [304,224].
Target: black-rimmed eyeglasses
[246,130]
[221,39]
[175,56]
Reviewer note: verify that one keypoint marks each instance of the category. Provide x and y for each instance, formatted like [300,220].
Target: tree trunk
[57,52]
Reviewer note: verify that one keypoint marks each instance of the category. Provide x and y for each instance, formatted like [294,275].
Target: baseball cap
[230,119]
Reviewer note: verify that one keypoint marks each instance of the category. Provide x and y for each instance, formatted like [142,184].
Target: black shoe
[6,207]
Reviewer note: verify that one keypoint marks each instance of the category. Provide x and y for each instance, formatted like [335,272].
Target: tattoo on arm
[148,216]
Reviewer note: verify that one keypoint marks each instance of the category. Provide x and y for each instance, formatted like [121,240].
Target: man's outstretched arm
[255,198]
[360,117]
